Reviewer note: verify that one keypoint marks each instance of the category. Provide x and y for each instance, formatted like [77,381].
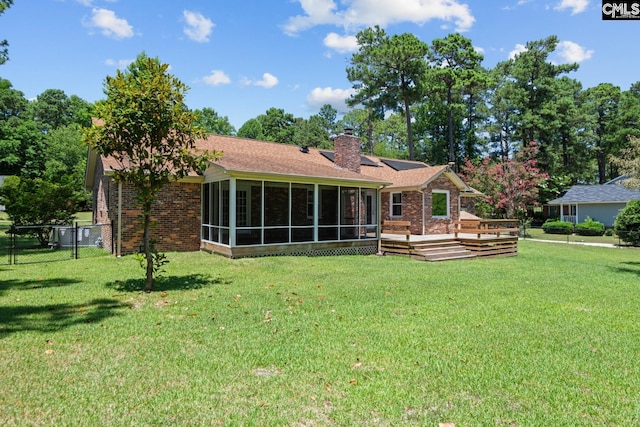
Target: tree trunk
[370,131]
[452,148]
[407,113]
[148,286]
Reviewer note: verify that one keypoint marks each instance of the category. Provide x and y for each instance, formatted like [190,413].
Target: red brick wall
[412,202]
[176,213]
[442,225]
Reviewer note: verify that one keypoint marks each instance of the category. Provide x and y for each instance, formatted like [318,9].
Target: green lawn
[537,233]
[549,337]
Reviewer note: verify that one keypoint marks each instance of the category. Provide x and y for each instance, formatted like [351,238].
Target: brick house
[264,198]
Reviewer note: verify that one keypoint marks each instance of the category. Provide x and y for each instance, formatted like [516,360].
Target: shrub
[627,223]
[609,232]
[557,227]
[590,227]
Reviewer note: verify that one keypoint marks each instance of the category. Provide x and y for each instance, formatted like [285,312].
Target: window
[396,204]
[440,204]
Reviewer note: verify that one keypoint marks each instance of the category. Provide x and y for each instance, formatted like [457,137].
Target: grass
[538,233]
[549,337]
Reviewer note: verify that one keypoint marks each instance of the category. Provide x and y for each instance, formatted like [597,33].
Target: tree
[628,162]
[147,129]
[329,116]
[251,129]
[4,44]
[277,125]
[52,109]
[627,223]
[455,65]
[65,161]
[311,133]
[509,188]
[37,202]
[388,72]
[211,122]
[601,106]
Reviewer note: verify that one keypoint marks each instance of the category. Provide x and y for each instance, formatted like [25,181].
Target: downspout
[424,213]
[119,237]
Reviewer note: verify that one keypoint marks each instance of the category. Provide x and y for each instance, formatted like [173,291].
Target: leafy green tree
[21,142]
[601,104]
[388,72]
[65,161]
[251,129]
[4,44]
[455,66]
[147,129]
[37,202]
[312,133]
[329,116]
[52,109]
[277,125]
[211,122]
[627,223]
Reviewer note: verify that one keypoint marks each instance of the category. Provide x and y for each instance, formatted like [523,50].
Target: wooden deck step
[441,251]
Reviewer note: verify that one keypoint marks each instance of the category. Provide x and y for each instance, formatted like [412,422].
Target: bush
[627,223]
[557,227]
[590,227]
[609,232]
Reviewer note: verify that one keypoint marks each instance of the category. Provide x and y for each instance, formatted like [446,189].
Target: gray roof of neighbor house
[611,192]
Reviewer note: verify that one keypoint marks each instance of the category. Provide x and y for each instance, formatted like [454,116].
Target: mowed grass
[538,233]
[550,337]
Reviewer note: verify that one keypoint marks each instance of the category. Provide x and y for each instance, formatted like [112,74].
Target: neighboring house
[264,198]
[598,202]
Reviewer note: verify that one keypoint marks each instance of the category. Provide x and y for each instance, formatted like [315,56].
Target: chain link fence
[34,244]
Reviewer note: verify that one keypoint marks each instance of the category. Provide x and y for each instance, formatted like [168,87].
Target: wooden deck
[485,238]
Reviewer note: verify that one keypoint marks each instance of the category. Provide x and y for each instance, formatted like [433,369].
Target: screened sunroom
[247,217]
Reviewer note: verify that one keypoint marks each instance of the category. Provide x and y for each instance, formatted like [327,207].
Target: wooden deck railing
[397,227]
[486,227]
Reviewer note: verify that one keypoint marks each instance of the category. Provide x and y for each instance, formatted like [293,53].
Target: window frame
[393,204]
[448,203]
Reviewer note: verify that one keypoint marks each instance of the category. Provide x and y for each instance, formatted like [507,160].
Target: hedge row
[587,228]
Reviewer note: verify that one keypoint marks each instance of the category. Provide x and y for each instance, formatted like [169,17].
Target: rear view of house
[264,198]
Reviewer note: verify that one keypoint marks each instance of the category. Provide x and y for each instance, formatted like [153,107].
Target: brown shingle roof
[250,156]
[247,155]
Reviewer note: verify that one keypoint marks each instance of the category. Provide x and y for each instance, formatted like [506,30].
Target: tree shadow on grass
[54,317]
[25,285]
[633,268]
[172,283]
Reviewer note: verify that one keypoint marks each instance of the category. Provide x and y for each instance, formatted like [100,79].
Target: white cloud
[217,78]
[198,27]
[109,24]
[327,95]
[268,81]
[576,6]
[120,63]
[518,49]
[573,52]
[341,44]
[365,13]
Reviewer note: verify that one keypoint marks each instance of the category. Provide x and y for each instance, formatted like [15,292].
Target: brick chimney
[347,151]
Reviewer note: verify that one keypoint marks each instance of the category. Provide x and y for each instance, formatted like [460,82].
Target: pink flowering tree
[509,187]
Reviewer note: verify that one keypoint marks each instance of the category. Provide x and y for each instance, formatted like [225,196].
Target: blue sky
[241,57]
